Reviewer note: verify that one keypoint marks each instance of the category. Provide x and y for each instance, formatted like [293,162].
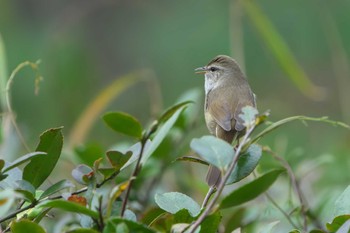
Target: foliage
[110,210]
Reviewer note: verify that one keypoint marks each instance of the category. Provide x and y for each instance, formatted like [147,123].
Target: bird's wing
[220,109]
[239,126]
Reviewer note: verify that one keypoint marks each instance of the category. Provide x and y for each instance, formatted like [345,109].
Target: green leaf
[151,146]
[10,178]
[3,176]
[337,222]
[248,115]
[150,214]
[63,184]
[129,215]
[25,188]
[38,216]
[173,202]
[250,190]
[26,226]
[172,110]
[312,231]
[82,230]
[163,131]
[269,227]
[190,114]
[136,149]
[22,160]
[2,164]
[235,219]
[89,153]
[40,167]
[183,216]
[342,204]
[192,159]
[113,195]
[106,172]
[345,228]
[122,228]
[118,159]
[82,173]
[69,206]
[133,227]
[123,123]
[246,164]
[214,150]
[211,223]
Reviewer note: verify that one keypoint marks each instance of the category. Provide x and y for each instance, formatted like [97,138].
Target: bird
[227,91]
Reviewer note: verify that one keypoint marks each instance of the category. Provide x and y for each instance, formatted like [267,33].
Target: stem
[207,197]
[133,175]
[17,212]
[8,102]
[108,179]
[100,213]
[222,184]
[281,210]
[295,185]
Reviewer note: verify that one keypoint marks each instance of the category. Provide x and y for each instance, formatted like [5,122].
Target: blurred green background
[85,45]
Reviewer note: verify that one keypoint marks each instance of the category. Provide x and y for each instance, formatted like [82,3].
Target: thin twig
[295,184]
[17,212]
[60,196]
[100,214]
[207,196]
[133,175]
[222,184]
[281,210]
[8,102]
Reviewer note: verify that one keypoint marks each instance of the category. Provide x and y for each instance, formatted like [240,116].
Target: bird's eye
[212,69]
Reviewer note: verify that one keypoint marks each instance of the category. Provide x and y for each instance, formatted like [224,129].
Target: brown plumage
[226,92]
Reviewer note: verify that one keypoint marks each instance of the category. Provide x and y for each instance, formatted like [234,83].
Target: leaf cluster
[23,197]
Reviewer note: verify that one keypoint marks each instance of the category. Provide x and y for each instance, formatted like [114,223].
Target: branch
[222,184]
[304,210]
[281,210]
[134,174]
[294,182]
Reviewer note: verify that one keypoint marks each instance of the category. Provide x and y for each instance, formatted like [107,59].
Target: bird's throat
[209,84]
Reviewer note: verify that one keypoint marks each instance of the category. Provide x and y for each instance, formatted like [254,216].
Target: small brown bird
[226,92]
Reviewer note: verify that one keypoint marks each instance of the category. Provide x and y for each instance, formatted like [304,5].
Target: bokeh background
[85,45]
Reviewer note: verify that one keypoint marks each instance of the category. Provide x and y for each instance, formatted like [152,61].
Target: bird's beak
[201,70]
